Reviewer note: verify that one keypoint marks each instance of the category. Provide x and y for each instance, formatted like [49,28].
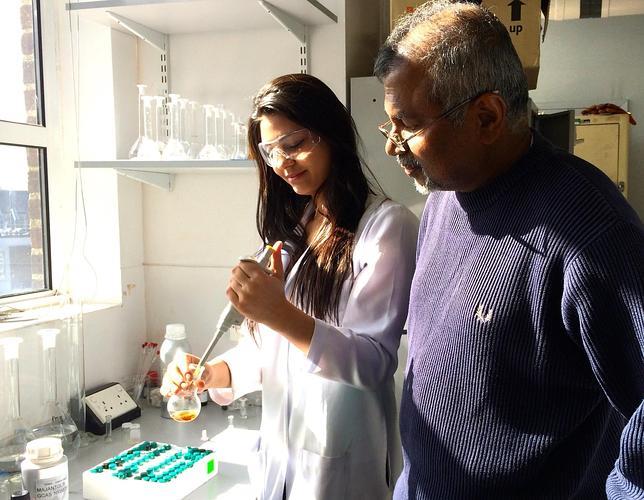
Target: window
[24,242]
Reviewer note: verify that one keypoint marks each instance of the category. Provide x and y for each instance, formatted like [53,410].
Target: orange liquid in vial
[184,415]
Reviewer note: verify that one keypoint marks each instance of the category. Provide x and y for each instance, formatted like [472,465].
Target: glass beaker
[55,420]
[148,150]
[134,150]
[14,433]
[210,150]
[184,406]
[174,149]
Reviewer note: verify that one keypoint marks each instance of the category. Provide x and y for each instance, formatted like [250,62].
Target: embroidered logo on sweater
[481,316]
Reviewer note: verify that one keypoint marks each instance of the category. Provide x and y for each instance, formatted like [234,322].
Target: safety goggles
[296,145]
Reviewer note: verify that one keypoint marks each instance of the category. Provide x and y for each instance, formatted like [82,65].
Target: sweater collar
[486,196]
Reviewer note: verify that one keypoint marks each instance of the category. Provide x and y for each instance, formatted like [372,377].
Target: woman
[326,323]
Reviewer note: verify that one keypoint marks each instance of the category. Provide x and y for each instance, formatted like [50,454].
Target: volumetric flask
[149,149]
[210,151]
[55,420]
[174,149]
[193,130]
[134,150]
[159,119]
[14,433]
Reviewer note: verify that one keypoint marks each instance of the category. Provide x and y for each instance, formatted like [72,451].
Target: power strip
[109,400]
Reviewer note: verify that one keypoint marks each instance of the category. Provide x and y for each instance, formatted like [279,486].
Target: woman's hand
[180,376]
[260,297]
[257,295]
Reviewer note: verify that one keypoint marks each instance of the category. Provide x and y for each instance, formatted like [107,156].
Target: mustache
[408,161]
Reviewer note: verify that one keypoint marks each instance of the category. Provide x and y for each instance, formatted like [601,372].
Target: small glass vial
[44,471]
[135,433]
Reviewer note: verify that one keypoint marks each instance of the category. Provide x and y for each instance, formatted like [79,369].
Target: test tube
[108,429]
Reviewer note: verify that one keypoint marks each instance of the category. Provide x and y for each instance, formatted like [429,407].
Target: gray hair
[464,49]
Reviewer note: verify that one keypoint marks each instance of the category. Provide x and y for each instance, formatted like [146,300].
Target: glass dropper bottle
[15,432]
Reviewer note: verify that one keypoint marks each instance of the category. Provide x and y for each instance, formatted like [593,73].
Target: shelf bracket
[294,27]
[156,179]
[286,20]
[155,38]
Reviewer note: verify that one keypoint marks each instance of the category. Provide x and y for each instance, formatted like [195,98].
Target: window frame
[30,135]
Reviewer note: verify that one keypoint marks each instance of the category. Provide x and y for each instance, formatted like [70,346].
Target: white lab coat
[329,422]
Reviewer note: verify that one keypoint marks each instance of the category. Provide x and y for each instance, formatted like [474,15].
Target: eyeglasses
[400,139]
[295,145]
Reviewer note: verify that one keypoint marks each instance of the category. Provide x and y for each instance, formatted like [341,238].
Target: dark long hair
[307,101]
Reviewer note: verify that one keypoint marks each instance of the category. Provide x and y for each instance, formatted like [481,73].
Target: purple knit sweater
[526,339]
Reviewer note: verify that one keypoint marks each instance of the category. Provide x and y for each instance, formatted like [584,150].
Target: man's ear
[490,112]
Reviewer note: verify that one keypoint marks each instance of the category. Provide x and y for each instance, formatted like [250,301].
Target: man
[526,318]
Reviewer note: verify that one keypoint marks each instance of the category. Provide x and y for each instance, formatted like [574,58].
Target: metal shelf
[161,173]
[193,16]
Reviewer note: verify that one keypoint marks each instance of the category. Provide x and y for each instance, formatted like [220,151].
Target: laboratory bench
[230,483]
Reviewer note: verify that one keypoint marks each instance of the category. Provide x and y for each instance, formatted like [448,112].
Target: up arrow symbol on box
[516,10]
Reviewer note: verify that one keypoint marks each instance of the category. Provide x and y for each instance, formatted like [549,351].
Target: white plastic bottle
[44,471]
[174,344]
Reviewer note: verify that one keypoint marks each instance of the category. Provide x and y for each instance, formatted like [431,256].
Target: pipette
[185,406]
[231,316]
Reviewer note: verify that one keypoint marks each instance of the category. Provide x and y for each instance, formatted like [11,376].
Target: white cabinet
[603,141]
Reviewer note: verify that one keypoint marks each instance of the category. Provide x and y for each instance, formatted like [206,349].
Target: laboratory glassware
[221,115]
[184,125]
[174,345]
[149,149]
[184,406]
[14,433]
[174,149]
[210,149]
[185,403]
[244,141]
[56,421]
[159,119]
[134,150]
[193,123]
[238,153]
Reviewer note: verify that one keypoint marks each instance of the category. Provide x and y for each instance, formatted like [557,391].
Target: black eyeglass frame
[402,144]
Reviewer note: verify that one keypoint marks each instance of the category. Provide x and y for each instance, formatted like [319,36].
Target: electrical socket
[112,400]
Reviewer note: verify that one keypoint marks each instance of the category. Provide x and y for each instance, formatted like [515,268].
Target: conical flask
[55,421]
[14,433]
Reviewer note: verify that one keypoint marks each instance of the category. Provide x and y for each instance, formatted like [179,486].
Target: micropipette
[185,406]
[230,316]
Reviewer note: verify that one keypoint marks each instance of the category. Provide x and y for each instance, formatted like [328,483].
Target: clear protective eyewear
[295,145]
[400,139]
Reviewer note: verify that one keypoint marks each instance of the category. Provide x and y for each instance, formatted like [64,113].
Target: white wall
[593,61]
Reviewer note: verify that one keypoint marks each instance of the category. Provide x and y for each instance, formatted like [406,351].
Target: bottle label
[51,488]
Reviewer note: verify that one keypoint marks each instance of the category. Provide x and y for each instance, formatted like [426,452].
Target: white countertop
[230,483]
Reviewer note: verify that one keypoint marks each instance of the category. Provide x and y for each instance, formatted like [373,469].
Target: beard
[412,168]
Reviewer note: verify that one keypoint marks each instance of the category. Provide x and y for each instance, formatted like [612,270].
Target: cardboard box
[523,20]
[521,17]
